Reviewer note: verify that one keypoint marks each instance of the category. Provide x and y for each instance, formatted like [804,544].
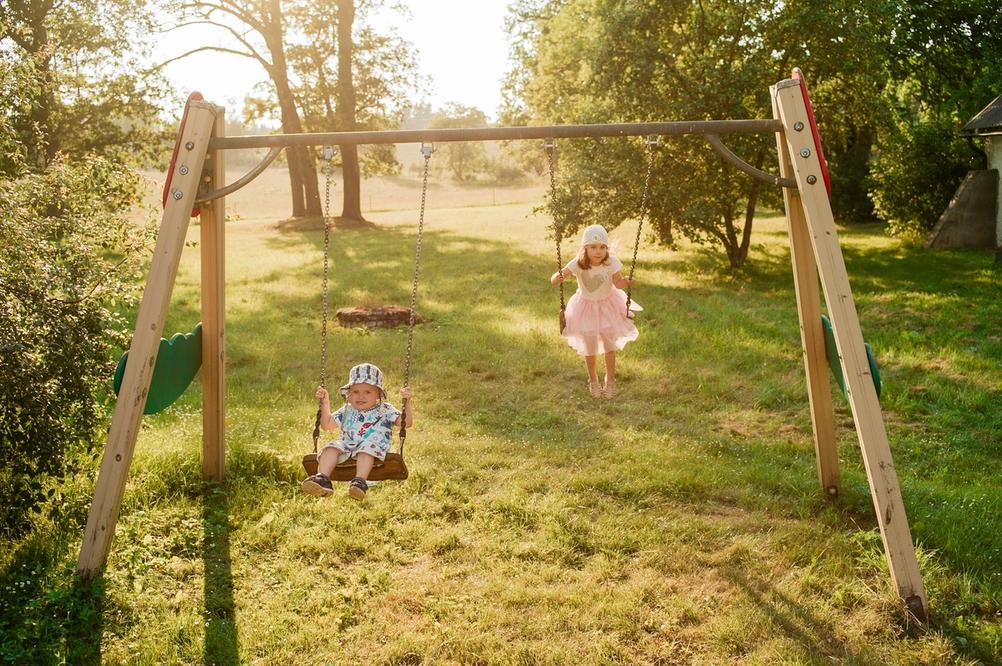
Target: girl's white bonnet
[595,234]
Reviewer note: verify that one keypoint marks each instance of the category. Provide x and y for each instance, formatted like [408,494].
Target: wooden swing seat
[393,468]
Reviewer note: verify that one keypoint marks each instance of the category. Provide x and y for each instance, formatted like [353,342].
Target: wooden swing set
[195,186]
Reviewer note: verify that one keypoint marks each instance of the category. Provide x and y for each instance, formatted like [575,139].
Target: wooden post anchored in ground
[812,335]
[192,143]
[791,102]
[213,233]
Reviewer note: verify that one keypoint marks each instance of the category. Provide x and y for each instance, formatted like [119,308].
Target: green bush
[68,258]
[916,171]
[504,172]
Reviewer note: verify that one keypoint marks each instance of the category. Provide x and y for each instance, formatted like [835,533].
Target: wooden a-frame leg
[128,414]
[212,233]
[805,283]
[870,430]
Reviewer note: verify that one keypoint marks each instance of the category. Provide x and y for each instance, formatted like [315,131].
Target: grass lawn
[679,523]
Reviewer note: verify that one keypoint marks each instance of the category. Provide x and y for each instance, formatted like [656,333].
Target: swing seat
[393,468]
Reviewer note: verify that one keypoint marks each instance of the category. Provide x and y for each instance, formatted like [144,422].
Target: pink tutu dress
[596,313]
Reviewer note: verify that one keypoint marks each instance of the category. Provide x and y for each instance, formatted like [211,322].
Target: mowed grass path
[679,523]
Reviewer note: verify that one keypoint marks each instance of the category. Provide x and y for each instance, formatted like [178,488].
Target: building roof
[987,121]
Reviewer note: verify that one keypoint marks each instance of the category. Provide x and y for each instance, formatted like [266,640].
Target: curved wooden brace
[734,160]
[246,178]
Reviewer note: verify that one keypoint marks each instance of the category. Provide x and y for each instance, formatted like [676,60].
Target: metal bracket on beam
[734,160]
[204,197]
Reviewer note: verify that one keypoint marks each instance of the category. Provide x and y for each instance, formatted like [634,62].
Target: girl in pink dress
[597,322]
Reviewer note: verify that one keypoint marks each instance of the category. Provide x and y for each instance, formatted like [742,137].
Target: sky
[461,47]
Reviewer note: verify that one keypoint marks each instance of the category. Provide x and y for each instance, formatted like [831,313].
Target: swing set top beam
[676,128]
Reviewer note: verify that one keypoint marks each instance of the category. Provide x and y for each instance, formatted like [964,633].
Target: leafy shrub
[68,257]
[916,172]
[504,172]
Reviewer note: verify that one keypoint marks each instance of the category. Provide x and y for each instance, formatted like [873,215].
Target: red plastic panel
[799,75]
[197,97]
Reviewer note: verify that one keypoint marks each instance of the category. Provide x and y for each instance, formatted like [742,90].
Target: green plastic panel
[178,362]
[831,351]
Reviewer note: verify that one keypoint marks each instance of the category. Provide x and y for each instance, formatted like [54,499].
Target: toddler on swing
[365,422]
[597,322]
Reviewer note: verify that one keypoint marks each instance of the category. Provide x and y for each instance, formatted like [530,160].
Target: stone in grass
[375,316]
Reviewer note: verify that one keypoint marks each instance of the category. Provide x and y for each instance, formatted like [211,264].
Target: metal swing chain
[651,144]
[551,149]
[426,149]
[328,170]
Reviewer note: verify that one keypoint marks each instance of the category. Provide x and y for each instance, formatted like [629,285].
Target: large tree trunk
[753,190]
[296,190]
[730,237]
[302,171]
[352,208]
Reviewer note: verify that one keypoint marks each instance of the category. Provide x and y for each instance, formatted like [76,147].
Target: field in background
[267,197]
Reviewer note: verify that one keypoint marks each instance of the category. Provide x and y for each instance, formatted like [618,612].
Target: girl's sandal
[595,389]
[610,390]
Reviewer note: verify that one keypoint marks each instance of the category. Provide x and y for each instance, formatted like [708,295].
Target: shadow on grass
[796,621]
[48,616]
[85,622]
[221,640]
[300,224]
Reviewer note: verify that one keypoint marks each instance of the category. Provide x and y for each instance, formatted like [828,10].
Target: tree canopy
[875,69]
[463,158]
[73,80]
[604,61]
[328,71]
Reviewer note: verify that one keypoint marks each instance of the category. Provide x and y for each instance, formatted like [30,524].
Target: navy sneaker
[357,488]
[318,485]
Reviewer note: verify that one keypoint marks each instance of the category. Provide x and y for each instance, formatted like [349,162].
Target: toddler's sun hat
[595,235]
[364,373]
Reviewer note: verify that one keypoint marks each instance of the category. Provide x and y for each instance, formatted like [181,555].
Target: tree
[77,109]
[842,47]
[336,49]
[948,53]
[73,83]
[603,61]
[259,29]
[943,61]
[916,173]
[464,158]
[525,25]
[346,102]
[315,53]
